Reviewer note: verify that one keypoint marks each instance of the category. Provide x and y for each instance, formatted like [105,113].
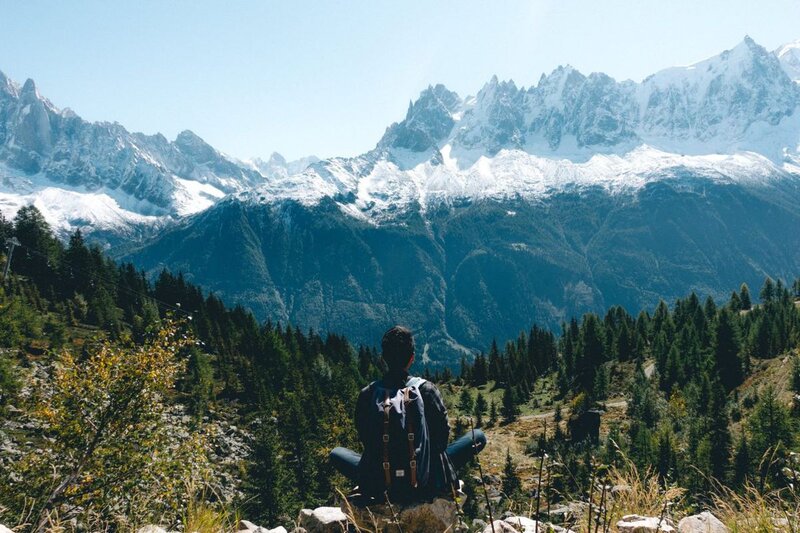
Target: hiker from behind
[403,427]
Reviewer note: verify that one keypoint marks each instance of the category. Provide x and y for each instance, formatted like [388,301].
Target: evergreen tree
[735,303]
[465,402]
[509,409]
[727,348]
[769,425]
[269,485]
[767,293]
[741,461]
[718,434]
[512,485]
[744,297]
[492,413]
[480,409]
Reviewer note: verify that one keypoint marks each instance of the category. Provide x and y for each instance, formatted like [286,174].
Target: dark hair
[398,347]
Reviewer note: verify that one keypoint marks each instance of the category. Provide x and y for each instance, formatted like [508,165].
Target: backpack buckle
[413,463]
[411,436]
[386,466]
[385,438]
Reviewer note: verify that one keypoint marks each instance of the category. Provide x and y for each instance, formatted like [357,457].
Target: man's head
[398,348]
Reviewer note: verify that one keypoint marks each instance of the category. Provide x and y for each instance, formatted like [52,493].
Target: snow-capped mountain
[473,217]
[277,166]
[732,117]
[789,56]
[99,176]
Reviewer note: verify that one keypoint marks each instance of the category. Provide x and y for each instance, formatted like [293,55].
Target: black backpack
[402,465]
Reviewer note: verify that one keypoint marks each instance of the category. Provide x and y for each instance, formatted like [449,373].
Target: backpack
[403,459]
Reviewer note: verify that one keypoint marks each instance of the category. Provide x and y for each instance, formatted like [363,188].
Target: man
[398,352]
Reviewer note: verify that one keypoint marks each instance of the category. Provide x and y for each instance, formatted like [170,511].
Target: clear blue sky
[252,77]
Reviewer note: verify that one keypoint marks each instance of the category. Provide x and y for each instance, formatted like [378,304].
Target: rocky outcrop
[704,522]
[633,523]
[323,520]
[438,515]
[246,526]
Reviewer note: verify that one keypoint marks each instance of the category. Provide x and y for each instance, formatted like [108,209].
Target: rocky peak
[789,57]
[194,147]
[428,120]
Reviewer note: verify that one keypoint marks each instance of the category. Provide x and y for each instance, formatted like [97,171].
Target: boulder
[439,515]
[150,528]
[634,523]
[704,522]
[245,526]
[500,527]
[4,529]
[523,524]
[323,520]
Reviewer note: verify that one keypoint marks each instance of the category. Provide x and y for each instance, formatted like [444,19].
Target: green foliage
[511,483]
[270,485]
[480,409]
[769,425]
[509,410]
[465,402]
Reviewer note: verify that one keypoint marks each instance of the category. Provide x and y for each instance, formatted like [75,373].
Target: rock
[150,528]
[633,523]
[704,522]
[523,524]
[323,520]
[4,529]
[245,526]
[500,527]
[439,515]
[479,525]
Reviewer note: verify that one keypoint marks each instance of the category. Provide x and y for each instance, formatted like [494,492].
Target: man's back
[368,423]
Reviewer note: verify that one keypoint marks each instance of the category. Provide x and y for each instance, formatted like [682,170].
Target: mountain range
[471,218]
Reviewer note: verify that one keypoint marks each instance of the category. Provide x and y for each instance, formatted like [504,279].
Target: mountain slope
[462,275]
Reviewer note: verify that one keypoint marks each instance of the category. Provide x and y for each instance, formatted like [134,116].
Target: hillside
[120,407]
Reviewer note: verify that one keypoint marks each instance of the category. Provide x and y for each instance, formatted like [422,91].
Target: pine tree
[509,409]
[744,297]
[511,482]
[767,293]
[480,409]
[727,348]
[769,425]
[741,461]
[492,413]
[465,402]
[718,434]
[269,484]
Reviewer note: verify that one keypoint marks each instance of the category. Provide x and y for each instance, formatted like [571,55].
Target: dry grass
[753,512]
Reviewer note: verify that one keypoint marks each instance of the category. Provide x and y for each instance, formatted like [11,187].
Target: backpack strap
[387,474]
[412,451]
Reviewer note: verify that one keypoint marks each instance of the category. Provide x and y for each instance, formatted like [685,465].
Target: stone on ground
[523,524]
[633,523]
[439,515]
[704,522]
[323,520]
[245,526]
[150,528]
[4,529]
[500,527]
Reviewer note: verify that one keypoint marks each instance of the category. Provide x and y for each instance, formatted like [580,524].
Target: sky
[327,77]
